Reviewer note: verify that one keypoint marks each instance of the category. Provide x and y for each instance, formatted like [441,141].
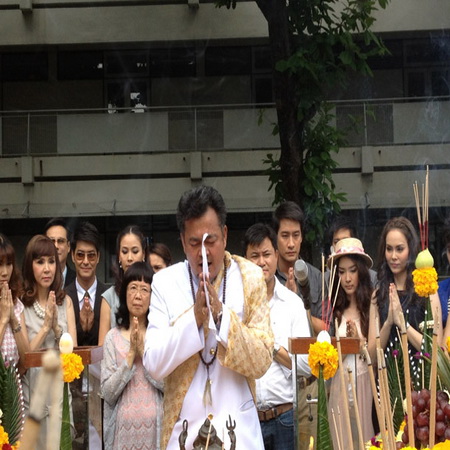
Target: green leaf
[324,441]
[11,401]
[66,440]
[396,381]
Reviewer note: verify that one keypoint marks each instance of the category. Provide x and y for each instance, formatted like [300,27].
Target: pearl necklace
[39,310]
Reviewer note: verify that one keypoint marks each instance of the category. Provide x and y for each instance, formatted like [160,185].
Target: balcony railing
[233,127]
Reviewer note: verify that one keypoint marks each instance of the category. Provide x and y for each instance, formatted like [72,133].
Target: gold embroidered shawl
[249,350]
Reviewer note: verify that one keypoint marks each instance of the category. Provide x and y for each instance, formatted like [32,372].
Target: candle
[66,343]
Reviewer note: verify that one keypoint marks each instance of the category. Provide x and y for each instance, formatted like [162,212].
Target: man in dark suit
[56,229]
[86,291]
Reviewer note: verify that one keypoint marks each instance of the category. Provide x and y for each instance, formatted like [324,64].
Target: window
[127,63]
[173,62]
[80,65]
[221,61]
[25,66]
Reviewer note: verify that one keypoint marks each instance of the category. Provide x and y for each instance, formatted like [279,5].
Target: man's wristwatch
[276,349]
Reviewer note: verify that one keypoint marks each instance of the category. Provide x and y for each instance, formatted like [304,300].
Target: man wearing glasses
[86,291]
[56,229]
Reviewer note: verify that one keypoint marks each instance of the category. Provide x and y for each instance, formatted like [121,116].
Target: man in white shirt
[209,357]
[274,390]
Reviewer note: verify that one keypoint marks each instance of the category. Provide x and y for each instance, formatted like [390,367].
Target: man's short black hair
[256,234]
[57,222]
[86,232]
[288,210]
[195,202]
[341,222]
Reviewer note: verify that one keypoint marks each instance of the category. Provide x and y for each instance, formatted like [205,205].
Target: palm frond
[11,400]
[396,380]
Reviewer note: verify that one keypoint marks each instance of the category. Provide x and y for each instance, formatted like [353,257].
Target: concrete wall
[51,22]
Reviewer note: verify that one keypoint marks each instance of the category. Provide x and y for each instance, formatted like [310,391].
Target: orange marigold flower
[72,366]
[425,281]
[323,354]
[3,436]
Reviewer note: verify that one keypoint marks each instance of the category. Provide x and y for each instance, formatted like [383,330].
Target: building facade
[110,109]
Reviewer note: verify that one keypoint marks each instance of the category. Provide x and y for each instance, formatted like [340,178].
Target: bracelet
[17,329]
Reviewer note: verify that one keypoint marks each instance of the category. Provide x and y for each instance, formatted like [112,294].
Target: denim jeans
[278,433]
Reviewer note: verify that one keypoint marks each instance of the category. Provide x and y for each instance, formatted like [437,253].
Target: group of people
[207,338]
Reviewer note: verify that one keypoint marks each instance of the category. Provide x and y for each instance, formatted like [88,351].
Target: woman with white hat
[354,291]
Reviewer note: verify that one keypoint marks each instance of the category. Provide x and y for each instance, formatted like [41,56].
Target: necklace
[207,396]
[39,310]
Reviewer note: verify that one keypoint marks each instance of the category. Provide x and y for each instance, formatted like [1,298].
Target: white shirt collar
[92,291]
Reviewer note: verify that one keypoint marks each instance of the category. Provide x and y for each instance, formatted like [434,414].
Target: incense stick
[376,400]
[355,403]
[433,377]
[407,374]
[338,440]
[343,387]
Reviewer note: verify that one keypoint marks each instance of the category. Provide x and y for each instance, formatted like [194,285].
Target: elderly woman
[133,400]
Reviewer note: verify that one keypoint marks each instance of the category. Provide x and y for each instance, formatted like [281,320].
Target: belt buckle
[303,382]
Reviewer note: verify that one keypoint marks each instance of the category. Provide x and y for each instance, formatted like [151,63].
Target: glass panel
[228,61]
[173,62]
[127,63]
[25,67]
[80,65]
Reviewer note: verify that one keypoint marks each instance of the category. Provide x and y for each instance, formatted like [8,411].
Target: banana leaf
[324,441]
[396,380]
[11,401]
[66,439]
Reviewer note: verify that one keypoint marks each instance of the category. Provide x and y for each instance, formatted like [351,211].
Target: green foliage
[320,198]
[11,401]
[66,440]
[274,174]
[327,43]
[396,380]
[315,50]
[324,441]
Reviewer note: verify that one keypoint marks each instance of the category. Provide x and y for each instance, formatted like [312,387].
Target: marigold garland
[325,354]
[3,436]
[425,281]
[72,366]
[4,441]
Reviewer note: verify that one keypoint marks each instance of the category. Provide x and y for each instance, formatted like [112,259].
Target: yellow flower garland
[72,366]
[3,436]
[323,354]
[425,281]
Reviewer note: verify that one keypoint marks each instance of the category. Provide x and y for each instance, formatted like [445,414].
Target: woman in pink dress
[133,400]
[13,333]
